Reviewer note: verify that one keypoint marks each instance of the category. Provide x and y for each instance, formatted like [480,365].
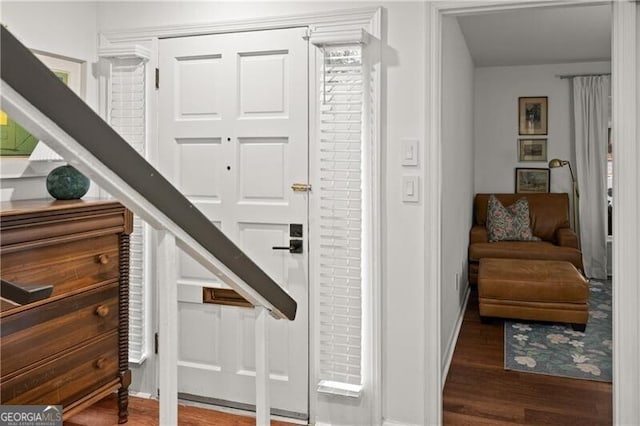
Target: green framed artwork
[15,140]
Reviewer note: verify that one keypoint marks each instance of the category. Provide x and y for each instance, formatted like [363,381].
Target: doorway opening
[490,62]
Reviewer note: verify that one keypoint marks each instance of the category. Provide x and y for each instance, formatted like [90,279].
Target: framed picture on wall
[532,115]
[532,150]
[532,180]
[16,143]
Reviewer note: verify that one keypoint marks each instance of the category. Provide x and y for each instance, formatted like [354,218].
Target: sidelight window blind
[127,117]
[340,221]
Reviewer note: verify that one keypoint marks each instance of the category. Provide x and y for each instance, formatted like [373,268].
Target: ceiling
[547,35]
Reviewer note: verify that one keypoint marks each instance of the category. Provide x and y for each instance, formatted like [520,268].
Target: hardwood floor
[144,412]
[479,391]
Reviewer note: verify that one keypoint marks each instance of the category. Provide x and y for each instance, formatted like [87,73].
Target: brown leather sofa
[549,214]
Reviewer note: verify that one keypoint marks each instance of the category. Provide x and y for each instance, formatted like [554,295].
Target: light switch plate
[410,189]
[409,152]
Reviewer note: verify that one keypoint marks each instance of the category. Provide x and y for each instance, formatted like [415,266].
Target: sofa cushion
[478,234]
[548,212]
[525,250]
[508,223]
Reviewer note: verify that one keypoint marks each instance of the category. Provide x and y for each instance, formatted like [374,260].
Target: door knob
[295,246]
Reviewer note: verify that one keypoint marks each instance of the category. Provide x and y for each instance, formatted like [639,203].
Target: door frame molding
[626,245]
[369,19]
[347,17]
[625,90]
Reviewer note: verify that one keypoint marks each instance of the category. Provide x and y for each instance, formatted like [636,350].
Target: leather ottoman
[544,290]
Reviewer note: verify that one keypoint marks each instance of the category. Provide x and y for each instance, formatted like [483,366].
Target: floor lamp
[576,195]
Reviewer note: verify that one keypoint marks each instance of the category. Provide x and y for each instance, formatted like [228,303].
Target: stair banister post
[262,366]
[168,328]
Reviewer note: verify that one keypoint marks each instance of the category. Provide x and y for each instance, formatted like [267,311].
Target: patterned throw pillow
[509,223]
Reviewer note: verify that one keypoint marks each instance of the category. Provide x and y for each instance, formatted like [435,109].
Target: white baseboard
[454,338]
[143,395]
[387,422]
[328,424]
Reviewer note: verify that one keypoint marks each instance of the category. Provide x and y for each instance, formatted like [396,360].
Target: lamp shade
[557,163]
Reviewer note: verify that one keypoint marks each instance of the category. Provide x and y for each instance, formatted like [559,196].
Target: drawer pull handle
[102,311]
[103,258]
[100,363]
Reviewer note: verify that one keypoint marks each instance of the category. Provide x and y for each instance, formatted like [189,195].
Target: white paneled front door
[234,138]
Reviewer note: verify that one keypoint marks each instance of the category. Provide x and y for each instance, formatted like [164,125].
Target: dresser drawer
[67,266]
[67,378]
[33,335]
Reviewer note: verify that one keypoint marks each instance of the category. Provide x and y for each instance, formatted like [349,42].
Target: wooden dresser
[69,349]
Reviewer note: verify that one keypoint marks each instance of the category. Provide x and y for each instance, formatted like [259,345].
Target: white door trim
[432,221]
[370,20]
[626,244]
[347,17]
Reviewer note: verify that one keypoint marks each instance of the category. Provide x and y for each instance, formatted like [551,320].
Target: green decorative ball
[66,183]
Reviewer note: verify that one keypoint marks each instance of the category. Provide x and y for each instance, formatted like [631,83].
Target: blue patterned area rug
[557,350]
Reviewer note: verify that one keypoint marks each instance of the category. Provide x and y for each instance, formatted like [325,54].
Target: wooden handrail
[23,294]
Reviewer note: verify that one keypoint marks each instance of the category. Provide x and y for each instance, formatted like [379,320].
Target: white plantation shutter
[340,219]
[127,116]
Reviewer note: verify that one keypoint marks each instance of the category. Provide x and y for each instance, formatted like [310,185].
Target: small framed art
[532,180]
[17,143]
[532,115]
[532,150]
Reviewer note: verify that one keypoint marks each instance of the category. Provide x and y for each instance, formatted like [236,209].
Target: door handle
[295,246]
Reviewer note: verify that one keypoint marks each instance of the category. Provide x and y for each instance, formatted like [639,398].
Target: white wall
[630,359]
[403,78]
[68,29]
[403,116]
[457,177]
[496,121]
[133,14]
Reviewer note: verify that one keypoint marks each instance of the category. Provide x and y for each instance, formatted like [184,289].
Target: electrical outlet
[457,281]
